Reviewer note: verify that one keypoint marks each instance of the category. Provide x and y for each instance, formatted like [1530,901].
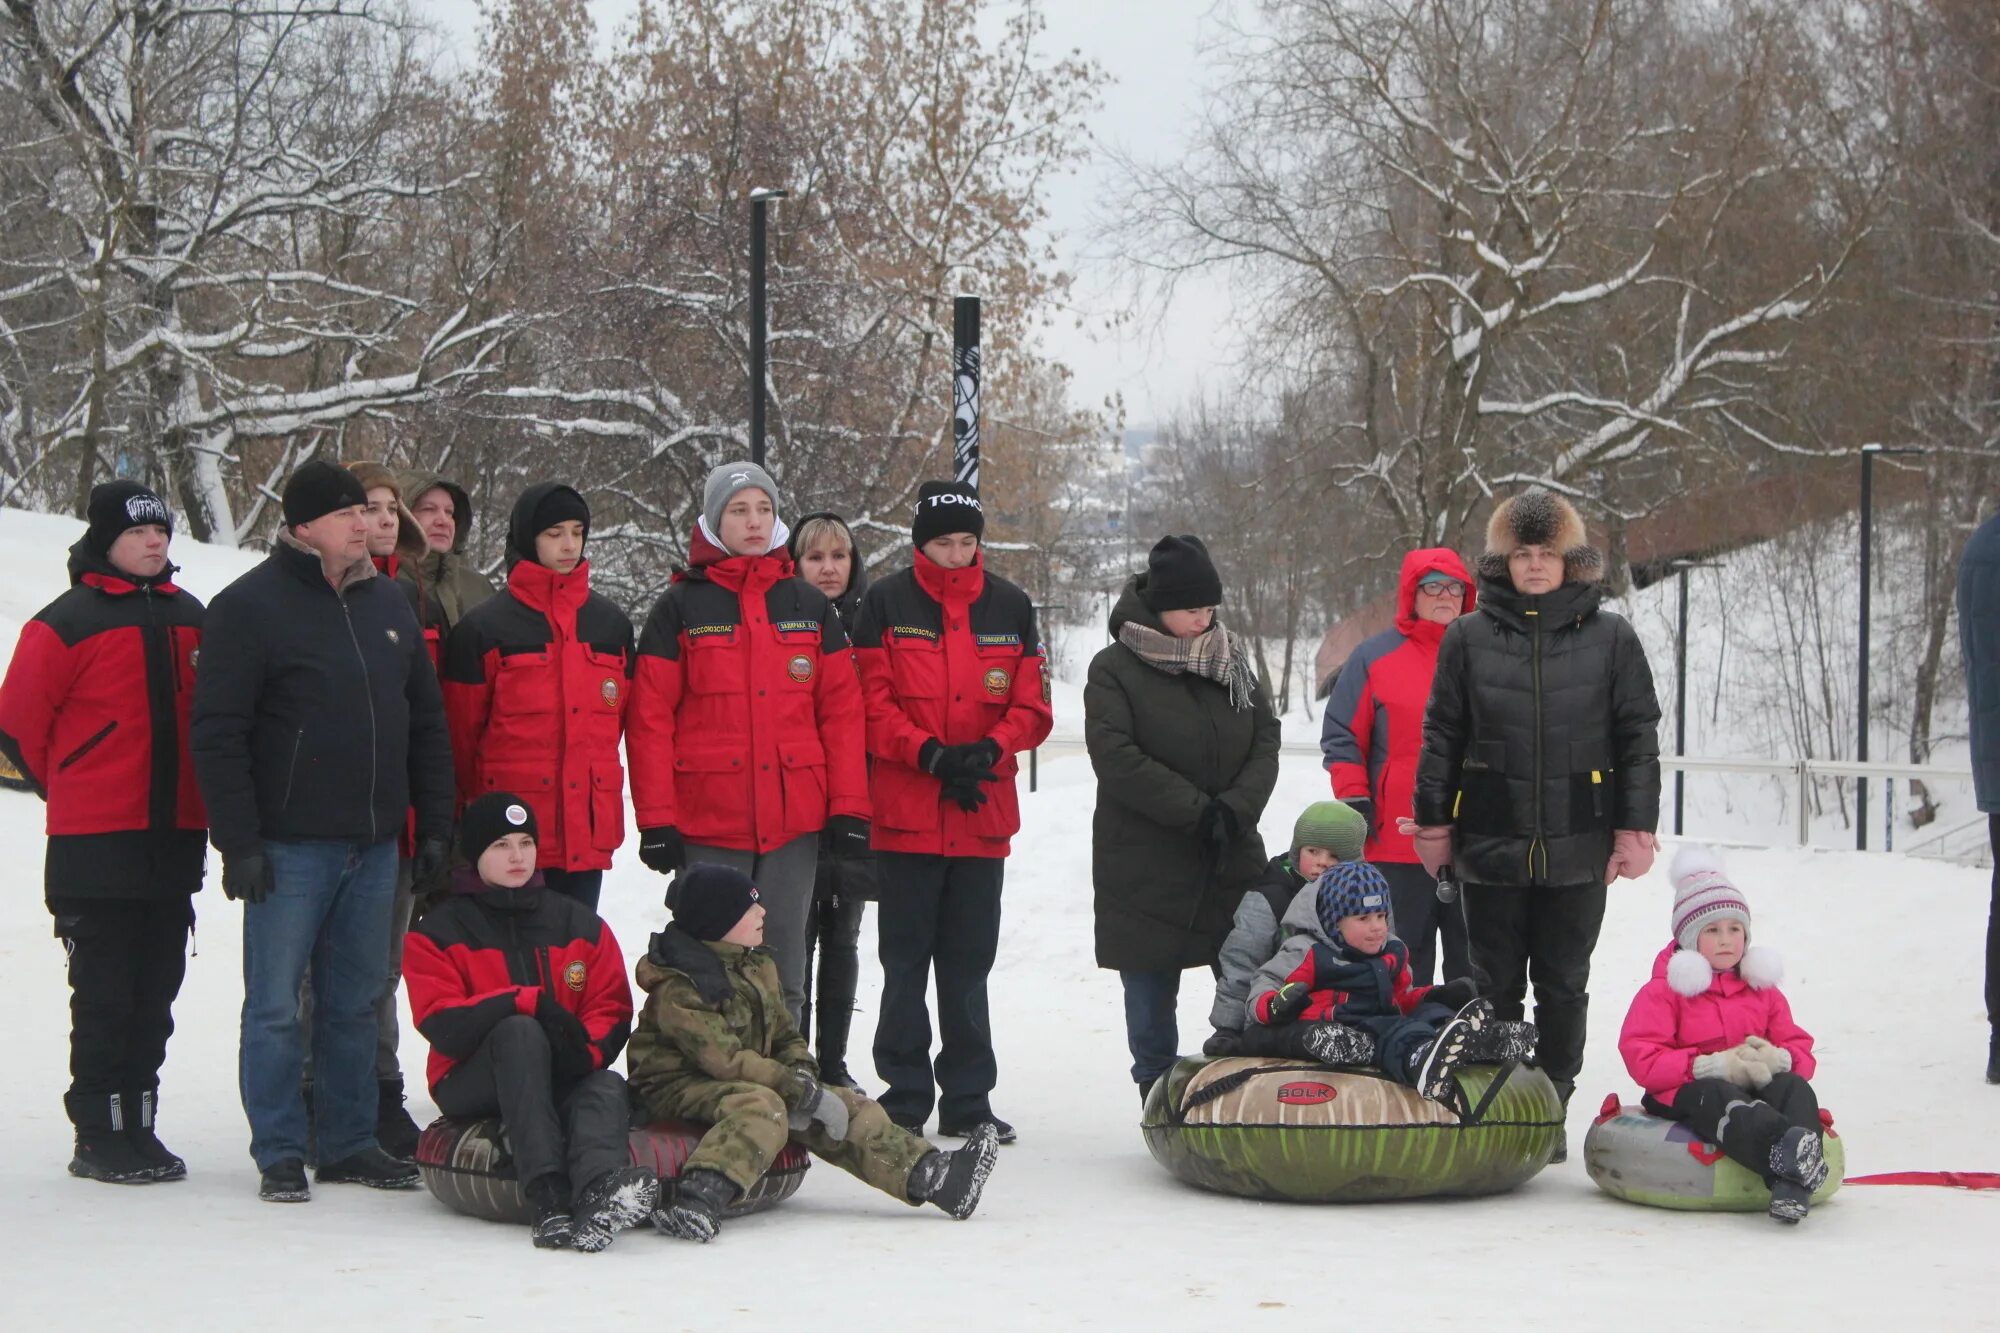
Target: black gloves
[1217,827]
[432,853]
[1288,1002]
[662,849]
[968,796]
[1363,806]
[846,838]
[1454,995]
[247,878]
[960,764]
[570,1056]
[1221,1043]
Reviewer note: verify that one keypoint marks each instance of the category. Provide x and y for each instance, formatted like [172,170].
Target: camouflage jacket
[713,1012]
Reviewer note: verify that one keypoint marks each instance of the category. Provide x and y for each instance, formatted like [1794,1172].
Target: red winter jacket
[950,655]
[746,727]
[1674,1018]
[535,688]
[94,713]
[1374,727]
[485,954]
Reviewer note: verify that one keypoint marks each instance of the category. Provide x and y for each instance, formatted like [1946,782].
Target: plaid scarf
[1214,654]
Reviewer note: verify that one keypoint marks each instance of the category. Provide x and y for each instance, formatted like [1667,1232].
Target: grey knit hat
[724,483]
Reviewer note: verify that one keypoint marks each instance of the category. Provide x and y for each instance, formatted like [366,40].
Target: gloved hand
[1222,1043]
[1286,1003]
[570,1054]
[1217,827]
[1737,1064]
[248,877]
[1363,806]
[970,762]
[1632,854]
[662,849]
[430,858]
[967,795]
[1775,1058]
[847,837]
[1433,842]
[1455,995]
[815,1103]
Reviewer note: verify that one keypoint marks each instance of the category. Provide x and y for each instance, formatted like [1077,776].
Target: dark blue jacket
[1979,638]
[317,714]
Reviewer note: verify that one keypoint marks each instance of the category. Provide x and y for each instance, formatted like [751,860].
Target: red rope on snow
[1961,1180]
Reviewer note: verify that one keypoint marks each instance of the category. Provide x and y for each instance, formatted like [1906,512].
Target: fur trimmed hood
[1540,517]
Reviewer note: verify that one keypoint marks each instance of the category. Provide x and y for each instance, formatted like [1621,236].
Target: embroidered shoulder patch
[699,631]
[914,632]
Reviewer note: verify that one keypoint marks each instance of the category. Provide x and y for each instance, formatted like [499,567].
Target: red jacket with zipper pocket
[950,655]
[746,729]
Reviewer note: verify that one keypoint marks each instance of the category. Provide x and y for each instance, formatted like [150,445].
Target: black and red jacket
[1344,983]
[94,713]
[486,953]
[535,687]
[950,655]
[746,729]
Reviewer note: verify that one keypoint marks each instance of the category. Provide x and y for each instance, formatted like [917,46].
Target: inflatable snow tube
[1280,1129]
[467,1165]
[1644,1158]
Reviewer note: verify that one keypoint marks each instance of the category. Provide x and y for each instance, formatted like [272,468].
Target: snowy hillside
[1080,1227]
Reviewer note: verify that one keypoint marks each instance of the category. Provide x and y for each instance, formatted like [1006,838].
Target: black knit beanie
[946,507]
[708,900]
[561,505]
[318,488]
[1180,576]
[491,818]
[118,505]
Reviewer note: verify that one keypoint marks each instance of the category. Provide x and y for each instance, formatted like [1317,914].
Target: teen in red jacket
[746,730]
[523,998]
[94,713]
[952,667]
[1373,732]
[536,686]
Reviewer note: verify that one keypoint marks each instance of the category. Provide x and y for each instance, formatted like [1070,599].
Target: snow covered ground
[1080,1227]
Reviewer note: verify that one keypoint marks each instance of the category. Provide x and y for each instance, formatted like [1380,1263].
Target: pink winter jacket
[1693,1010]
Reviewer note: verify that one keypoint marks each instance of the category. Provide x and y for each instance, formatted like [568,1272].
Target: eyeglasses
[1441,589]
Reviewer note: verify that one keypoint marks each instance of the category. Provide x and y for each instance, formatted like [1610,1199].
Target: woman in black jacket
[1185,747]
[828,557]
[1539,781]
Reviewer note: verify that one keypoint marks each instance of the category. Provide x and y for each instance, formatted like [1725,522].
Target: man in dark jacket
[94,713]
[449,583]
[1539,780]
[317,725]
[1979,640]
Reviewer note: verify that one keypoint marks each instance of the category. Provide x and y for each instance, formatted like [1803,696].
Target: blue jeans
[330,909]
[1151,1029]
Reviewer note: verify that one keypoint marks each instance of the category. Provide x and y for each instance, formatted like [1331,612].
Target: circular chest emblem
[573,975]
[997,682]
[609,689]
[800,668]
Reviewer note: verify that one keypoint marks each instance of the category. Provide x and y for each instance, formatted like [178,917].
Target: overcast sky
[1150,48]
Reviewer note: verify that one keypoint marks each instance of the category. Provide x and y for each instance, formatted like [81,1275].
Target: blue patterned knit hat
[1352,888]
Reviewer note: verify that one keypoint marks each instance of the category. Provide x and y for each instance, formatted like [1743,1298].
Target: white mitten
[1733,1066]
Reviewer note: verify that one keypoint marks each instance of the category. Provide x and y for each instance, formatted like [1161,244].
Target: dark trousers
[1152,1028]
[582,885]
[1543,935]
[127,957]
[1743,1124]
[937,913]
[833,961]
[1421,921]
[1400,1038]
[577,1131]
[1993,928]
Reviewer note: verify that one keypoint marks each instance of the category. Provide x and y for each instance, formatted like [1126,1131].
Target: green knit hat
[1334,825]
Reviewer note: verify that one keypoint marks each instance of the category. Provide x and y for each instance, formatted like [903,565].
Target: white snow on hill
[1080,1228]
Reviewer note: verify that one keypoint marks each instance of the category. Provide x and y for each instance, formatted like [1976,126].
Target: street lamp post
[760,202]
[1681,569]
[1868,453]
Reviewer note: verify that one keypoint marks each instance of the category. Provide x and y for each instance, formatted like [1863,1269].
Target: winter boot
[618,1199]
[1790,1201]
[1002,1131]
[371,1167]
[394,1130]
[695,1211]
[1797,1157]
[1432,1065]
[1338,1044]
[835,1022]
[1561,1154]
[103,1151]
[549,1221]
[1146,1089]
[284,1182]
[1500,1041]
[166,1165]
[953,1180]
[1993,1059]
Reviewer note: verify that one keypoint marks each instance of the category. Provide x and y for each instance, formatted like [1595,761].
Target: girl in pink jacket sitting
[1711,1040]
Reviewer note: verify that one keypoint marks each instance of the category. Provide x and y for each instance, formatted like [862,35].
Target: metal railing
[1804,772]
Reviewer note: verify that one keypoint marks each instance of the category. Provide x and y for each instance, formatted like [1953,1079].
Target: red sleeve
[468,703]
[606,1012]
[1653,1059]
[843,732]
[451,1015]
[1788,1034]
[649,720]
[1305,972]
[1030,716]
[38,680]
[1351,779]
[1403,993]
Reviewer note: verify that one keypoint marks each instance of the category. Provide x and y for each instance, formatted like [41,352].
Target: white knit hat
[1703,893]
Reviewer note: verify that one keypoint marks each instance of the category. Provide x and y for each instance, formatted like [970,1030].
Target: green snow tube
[467,1165]
[1661,1163]
[1280,1129]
